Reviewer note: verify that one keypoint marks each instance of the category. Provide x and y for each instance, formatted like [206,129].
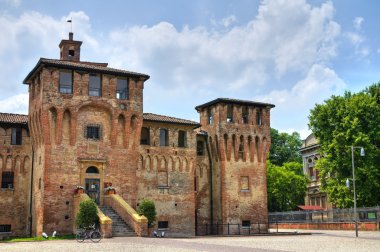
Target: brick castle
[86,127]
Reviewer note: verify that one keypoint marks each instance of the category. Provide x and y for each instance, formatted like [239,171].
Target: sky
[291,53]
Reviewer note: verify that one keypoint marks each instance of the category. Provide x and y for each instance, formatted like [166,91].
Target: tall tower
[238,140]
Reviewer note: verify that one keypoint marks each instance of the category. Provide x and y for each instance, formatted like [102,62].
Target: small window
[200,148]
[5,228]
[95,85]
[246,223]
[210,117]
[230,116]
[259,120]
[244,183]
[122,89]
[245,114]
[164,137]
[93,132]
[311,173]
[195,184]
[7,180]
[241,147]
[16,138]
[163,224]
[66,82]
[71,53]
[92,169]
[182,138]
[145,136]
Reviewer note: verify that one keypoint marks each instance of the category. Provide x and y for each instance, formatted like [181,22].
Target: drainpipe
[211,185]
[31,196]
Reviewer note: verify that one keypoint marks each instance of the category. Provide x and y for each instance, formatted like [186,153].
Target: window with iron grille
[93,132]
[16,138]
[5,228]
[122,89]
[7,179]
[95,85]
[163,224]
[66,82]
[246,223]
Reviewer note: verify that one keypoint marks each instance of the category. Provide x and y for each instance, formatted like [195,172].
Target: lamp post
[353,182]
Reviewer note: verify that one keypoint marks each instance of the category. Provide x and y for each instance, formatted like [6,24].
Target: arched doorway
[92,182]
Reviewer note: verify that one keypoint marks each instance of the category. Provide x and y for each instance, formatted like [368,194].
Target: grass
[39,238]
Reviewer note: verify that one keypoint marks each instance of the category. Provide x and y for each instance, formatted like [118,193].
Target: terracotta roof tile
[13,118]
[85,66]
[168,119]
[234,101]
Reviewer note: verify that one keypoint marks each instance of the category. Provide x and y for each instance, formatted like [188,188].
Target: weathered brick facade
[85,129]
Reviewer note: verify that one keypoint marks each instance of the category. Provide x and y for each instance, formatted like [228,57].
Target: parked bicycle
[88,233]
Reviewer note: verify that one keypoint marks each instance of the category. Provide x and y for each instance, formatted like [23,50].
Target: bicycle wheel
[96,236]
[80,236]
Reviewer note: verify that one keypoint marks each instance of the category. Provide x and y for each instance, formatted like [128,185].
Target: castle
[86,128]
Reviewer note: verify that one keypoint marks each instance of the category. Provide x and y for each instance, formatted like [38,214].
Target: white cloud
[358,22]
[15,104]
[229,20]
[13,3]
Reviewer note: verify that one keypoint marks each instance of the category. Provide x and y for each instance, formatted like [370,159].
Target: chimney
[70,49]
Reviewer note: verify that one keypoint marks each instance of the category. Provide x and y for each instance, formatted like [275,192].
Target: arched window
[92,169]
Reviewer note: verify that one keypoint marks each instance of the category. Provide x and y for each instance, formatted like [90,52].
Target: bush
[148,209]
[88,214]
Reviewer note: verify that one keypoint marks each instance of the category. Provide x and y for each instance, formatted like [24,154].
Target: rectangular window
[163,224]
[311,173]
[66,82]
[95,85]
[259,120]
[182,138]
[230,116]
[16,138]
[195,184]
[7,180]
[244,183]
[5,228]
[210,116]
[200,148]
[323,201]
[245,114]
[246,223]
[122,89]
[145,136]
[164,138]
[93,132]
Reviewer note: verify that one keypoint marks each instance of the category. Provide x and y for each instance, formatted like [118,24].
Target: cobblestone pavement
[318,241]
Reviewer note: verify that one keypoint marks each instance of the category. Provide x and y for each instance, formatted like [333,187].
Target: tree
[339,123]
[88,214]
[284,147]
[286,188]
[148,209]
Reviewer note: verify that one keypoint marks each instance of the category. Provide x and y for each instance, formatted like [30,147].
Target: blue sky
[293,54]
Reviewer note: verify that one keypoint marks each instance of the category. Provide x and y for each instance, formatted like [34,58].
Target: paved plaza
[317,241]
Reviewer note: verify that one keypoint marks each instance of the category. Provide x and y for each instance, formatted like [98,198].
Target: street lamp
[353,182]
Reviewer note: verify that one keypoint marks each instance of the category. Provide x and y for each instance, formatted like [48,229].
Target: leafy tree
[148,209]
[284,147]
[88,214]
[339,123]
[286,187]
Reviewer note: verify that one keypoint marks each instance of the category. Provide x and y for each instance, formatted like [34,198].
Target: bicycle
[88,233]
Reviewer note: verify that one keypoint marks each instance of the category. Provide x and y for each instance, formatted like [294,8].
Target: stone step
[119,227]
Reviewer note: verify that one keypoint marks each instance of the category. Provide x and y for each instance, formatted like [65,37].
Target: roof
[234,101]
[168,119]
[81,65]
[13,118]
[310,208]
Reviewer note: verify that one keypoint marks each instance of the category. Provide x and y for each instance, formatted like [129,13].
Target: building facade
[310,153]
[86,127]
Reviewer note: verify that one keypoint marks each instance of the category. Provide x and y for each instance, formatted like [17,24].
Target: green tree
[339,123]
[286,187]
[88,214]
[284,147]
[148,209]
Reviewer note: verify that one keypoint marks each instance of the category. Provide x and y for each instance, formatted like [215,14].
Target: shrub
[87,214]
[148,209]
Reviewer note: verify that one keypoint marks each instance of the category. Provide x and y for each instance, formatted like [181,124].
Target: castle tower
[238,135]
[70,49]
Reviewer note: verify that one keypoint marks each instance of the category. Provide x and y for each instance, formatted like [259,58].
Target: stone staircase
[119,227]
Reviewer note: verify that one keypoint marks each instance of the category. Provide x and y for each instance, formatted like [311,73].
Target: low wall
[105,222]
[138,223]
[363,226]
